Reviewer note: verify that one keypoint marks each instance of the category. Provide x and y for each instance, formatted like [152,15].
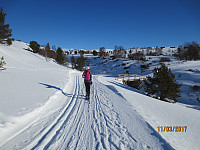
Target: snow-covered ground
[186,73]
[43,106]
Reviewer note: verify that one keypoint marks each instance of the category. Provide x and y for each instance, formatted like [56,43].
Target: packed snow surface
[43,106]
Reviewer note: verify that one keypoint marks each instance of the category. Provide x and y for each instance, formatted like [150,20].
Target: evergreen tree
[5,32]
[80,62]
[9,41]
[163,84]
[60,56]
[73,62]
[2,63]
[95,53]
[35,46]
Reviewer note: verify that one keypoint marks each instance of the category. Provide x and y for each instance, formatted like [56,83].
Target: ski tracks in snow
[89,126]
[50,133]
[80,125]
[106,126]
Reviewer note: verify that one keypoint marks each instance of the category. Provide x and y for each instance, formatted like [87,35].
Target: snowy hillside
[186,73]
[43,106]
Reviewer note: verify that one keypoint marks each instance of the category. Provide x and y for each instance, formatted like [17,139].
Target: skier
[87,75]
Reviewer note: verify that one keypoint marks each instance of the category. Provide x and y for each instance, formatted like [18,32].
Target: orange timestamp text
[172,128]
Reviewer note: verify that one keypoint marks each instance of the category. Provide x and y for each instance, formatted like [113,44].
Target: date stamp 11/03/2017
[172,128]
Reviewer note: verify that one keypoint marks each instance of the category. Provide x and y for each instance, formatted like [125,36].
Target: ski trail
[98,125]
[106,126]
[74,132]
[44,140]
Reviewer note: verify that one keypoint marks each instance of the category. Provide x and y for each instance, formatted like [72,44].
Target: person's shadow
[57,88]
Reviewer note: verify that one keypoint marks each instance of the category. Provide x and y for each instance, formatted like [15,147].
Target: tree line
[161,84]
[47,52]
[189,51]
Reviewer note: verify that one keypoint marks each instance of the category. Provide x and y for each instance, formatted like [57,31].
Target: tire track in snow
[50,133]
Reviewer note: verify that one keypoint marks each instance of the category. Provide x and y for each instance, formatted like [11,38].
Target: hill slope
[43,107]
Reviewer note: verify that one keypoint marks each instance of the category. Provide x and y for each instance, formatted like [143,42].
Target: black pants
[87,86]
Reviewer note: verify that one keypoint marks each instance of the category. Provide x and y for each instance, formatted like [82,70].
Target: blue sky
[91,24]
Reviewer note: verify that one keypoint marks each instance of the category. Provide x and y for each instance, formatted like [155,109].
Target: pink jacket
[87,75]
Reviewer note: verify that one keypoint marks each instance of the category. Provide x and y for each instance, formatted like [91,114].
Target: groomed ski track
[108,122]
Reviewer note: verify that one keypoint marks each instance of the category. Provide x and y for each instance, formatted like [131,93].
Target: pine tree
[60,56]
[35,46]
[80,62]
[73,62]
[163,84]
[9,41]
[2,63]
[95,53]
[5,32]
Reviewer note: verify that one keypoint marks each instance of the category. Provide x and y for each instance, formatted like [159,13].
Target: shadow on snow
[59,89]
